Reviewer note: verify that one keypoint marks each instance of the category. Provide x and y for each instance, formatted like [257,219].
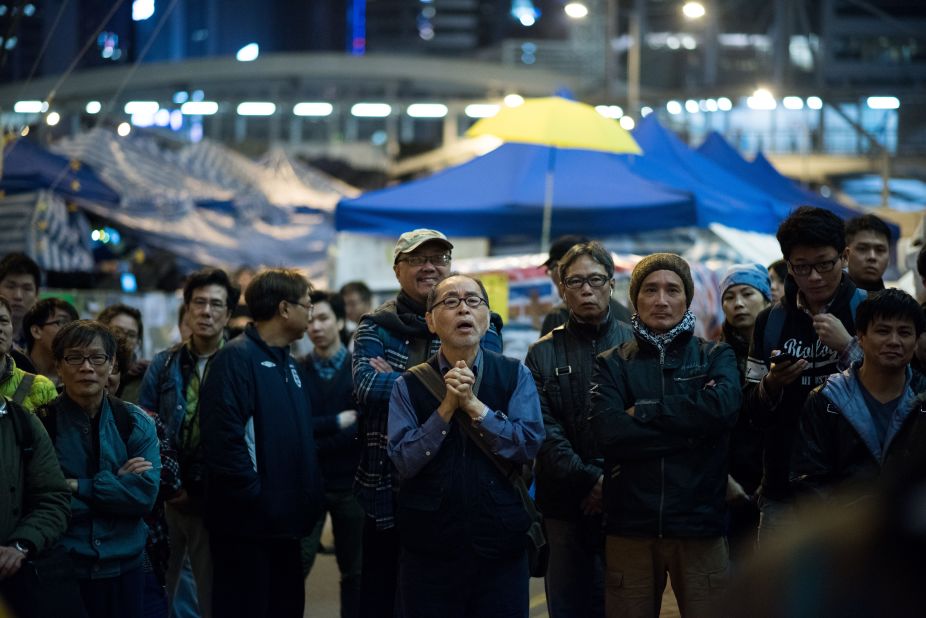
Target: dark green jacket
[569,462]
[36,501]
[665,467]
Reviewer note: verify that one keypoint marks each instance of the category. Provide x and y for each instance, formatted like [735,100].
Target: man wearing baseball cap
[663,405]
[386,343]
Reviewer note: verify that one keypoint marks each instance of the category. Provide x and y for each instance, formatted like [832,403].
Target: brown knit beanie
[661,261]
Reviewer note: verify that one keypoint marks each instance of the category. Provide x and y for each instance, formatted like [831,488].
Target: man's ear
[429,320]
[283,308]
[36,331]
[395,269]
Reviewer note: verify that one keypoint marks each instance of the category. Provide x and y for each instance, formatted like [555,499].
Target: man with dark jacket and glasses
[813,329]
[569,470]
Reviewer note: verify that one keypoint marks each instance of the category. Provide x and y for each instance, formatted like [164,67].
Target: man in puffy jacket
[849,424]
[569,474]
[663,406]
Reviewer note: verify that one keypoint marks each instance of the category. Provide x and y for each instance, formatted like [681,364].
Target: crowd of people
[197,484]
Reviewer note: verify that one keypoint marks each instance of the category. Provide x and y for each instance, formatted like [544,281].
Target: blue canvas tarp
[28,167]
[763,175]
[720,195]
[502,194]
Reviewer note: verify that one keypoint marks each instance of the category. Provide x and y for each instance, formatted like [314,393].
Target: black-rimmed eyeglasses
[576,283]
[76,360]
[452,302]
[802,270]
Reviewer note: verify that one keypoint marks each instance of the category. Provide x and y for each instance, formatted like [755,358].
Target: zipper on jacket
[662,460]
[662,490]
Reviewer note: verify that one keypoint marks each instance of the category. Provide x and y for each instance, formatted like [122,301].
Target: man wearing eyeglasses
[388,341]
[569,474]
[264,489]
[171,388]
[109,452]
[462,524]
[813,328]
[40,325]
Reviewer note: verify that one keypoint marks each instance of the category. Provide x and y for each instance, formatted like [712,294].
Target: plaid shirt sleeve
[371,387]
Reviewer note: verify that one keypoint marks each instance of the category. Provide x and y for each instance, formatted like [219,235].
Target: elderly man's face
[462,326]
[416,280]
[661,301]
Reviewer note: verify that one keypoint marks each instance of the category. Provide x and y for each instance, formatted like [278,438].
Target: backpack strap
[563,369]
[22,430]
[25,386]
[123,417]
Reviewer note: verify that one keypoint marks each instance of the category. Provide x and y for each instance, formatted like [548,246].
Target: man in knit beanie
[662,407]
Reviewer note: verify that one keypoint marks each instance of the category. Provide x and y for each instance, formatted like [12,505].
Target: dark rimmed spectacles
[309,307]
[802,270]
[76,360]
[212,305]
[442,259]
[452,302]
[59,322]
[576,283]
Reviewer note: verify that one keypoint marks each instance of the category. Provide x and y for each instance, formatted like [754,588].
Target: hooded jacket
[569,463]
[797,336]
[837,443]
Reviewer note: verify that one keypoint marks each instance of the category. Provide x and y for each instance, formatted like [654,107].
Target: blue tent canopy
[720,195]
[28,167]
[762,174]
[502,194]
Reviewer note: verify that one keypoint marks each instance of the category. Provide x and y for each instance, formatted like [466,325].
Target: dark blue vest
[460,499]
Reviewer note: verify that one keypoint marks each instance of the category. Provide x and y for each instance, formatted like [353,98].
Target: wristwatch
[18,546]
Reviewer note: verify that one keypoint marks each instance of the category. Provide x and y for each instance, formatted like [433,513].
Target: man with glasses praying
[264,483]
[812,328]
[171,389]
[40,325]
[569,472]
[108,451]
[388,341]
[462,524]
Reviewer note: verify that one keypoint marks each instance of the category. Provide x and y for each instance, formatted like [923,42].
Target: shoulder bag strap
[22,391]
[563,370]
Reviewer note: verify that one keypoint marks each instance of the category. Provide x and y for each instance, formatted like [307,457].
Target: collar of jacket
[844,391]
[584,330]
[6,372]
[841,298]
[734,339]
[250,331]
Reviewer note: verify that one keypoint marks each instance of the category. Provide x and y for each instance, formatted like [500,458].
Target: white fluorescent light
[141,107]
[645,111]
[692,107]
[319,109]
[576,10]
[724,104]
[199,108]
[52,119]
[711,105]
[674,107]
[762,99]
[124,129]
[29,107]
[883,102]
[513,100]
[256,108]
[481,110]
[94,107]
[427,110]
[627,122]
[793,103]
[371,110]
[814,102]
[248,53]
[610,111]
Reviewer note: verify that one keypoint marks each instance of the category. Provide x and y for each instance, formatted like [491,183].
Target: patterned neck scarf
[662,341]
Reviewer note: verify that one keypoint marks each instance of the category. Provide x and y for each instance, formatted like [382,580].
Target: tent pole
[548,203]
